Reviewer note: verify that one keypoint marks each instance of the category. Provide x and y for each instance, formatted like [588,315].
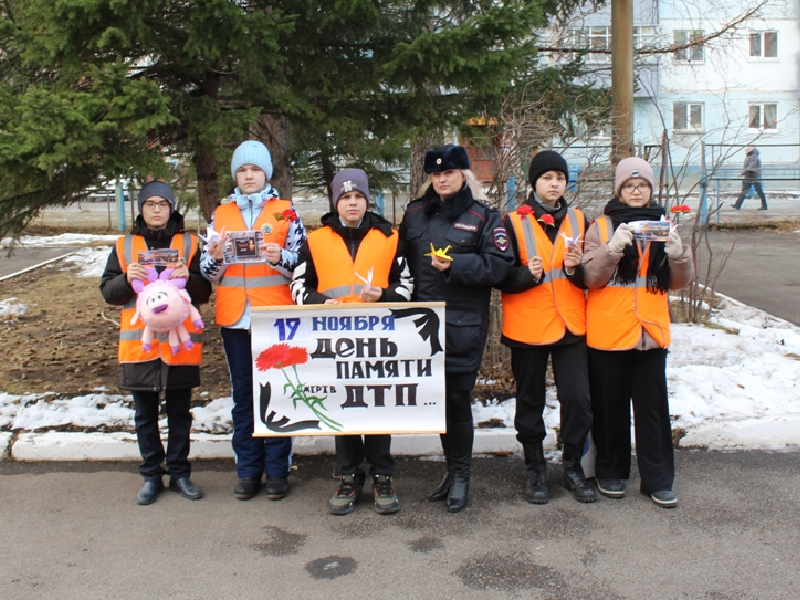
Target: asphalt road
[25,257]
[763,270]
[73,531]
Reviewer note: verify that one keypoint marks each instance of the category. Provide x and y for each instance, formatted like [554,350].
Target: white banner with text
[348,369]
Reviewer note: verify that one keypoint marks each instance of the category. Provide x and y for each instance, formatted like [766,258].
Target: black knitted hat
[544,161]
[446,158]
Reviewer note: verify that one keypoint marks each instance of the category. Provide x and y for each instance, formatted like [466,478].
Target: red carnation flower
[290,215]
[523,210]
[680,208]
[547,219]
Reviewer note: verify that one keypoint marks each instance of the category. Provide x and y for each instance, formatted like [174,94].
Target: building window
[764,44]
[644,37]
[692,53]
[762,116]
[592,38]
[687,116]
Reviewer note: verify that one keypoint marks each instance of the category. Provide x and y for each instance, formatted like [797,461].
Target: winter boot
[460,436]
[386,502]
[443,489]
[536,468]
[347,494]
[574,478]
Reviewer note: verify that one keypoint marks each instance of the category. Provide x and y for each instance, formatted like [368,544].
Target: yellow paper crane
[441,253]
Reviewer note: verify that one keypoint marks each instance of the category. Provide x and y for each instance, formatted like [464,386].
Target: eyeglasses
[164,205]
[641,187]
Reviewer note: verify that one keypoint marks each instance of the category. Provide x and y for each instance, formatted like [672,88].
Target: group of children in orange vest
[608,346]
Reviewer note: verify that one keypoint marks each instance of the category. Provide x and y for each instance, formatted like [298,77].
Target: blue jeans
[254,455]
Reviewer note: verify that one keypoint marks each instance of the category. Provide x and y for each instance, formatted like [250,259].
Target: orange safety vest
[336,270]
[616,313]
[260,284]
[542,314]
[130,336]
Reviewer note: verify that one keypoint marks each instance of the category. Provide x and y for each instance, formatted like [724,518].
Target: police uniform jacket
[481,257]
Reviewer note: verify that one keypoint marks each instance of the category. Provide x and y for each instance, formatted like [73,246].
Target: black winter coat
[481,256]
[154,375]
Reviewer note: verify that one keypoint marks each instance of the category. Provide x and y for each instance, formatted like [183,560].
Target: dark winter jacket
[305,279]
[154,375]
[752,165]
[520,278]
[481,256]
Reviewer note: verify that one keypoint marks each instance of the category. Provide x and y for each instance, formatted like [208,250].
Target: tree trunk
[273,130]
[418,175]
[205,163]
[205,158]
[328,172]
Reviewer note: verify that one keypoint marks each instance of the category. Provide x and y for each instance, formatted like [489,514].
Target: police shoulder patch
[500,238]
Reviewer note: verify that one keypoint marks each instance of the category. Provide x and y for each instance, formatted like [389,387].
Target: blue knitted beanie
[252,152]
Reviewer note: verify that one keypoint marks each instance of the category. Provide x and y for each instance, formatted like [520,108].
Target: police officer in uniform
[449,215]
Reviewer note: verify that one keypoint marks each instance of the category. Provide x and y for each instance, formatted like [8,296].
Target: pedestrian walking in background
[544,316]
[254,206]
[148,372]
[449,216]
[751,171]
[628,333]
[353,242]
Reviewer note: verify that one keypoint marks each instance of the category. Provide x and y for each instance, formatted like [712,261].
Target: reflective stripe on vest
[616,313]
[259,284]
[542,314]
[336,270]
[131,335]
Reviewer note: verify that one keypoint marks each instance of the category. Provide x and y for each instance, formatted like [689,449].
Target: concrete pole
[621,79]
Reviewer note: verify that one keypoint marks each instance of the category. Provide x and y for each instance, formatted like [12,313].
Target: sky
[733,384]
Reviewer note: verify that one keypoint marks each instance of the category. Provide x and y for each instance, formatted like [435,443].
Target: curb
[122,446]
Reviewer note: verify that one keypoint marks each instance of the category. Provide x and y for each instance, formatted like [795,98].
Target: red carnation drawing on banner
[284,356]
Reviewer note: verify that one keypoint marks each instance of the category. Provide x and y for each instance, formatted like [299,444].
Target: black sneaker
[665,499]
[613,488]
[247,487]
[347,494]
[276,487]
[386,502]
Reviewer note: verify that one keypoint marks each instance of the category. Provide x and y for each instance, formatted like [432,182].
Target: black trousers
[618,378]
[571,372]
[759,190]
[179,423]
[351,450]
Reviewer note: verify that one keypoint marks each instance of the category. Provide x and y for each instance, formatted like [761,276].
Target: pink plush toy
[163,305]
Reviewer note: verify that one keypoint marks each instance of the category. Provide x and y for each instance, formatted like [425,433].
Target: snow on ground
[741,371]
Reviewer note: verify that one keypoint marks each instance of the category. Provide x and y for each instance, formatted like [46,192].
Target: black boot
[536,468]
[460,436]
[574,478]
[443,489]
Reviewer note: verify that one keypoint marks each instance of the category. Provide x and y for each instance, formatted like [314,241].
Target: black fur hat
[446,158]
